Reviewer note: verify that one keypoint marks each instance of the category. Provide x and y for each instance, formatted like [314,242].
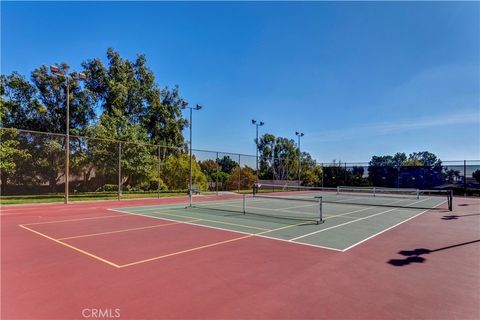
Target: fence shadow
[414,256]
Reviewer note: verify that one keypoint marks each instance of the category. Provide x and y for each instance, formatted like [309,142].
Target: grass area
[87,196]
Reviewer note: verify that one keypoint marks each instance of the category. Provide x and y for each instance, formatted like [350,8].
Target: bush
[110,187]
[247,178]
[152,185]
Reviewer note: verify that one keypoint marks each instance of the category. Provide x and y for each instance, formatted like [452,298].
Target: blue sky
[359,79]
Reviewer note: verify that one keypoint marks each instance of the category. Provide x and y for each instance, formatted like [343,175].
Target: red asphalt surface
[250,278]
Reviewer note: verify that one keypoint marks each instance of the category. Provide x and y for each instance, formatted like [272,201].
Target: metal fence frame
[275,164]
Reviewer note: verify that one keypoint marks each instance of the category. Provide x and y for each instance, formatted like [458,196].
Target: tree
[128,89]
[383,170]
[138,158]
[334,174]
[209,168]
[176,170]
[419,170]
[311,176]
[40,106]
[241,178]
[451,175]
[425,158]
[476,175]
[221,180]
[12,155]
[227,164]
[278,157]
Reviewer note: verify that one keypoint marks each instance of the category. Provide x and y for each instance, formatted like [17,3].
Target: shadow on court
[455,216]
[414,256]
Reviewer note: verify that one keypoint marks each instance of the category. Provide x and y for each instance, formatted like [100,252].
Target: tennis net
[298,209]
[367,196]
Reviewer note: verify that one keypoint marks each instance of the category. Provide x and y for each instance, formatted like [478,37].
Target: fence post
[216,178]
[119,170]
[239,173]
[322,166]
[159,179]
[465,177]
[273,173]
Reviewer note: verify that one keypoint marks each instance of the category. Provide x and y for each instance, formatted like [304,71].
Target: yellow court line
[281,228]
[71,247]
[124,230]
[205,246]
[214,221]
[80,219]
[184,251]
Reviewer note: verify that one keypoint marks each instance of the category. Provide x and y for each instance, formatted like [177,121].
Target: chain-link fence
[33,165]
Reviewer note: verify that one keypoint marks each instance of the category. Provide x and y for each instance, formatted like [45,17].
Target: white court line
[69,220]
[360,219]
[378,233]
[261,235]
[344,214]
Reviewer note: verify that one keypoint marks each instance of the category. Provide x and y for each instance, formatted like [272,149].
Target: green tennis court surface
[299,217]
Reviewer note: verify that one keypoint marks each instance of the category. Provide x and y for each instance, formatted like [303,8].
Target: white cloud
[381,128]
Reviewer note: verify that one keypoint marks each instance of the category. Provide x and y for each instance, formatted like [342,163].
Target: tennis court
[321,218]
[225,253]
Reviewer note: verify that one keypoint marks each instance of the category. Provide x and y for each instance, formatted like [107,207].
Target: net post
[320,201]
[450,200]
[239,173]
[159,169]
[119,170]
[244,204]
[374,191]
[418,194]
[338,189]
[216,177]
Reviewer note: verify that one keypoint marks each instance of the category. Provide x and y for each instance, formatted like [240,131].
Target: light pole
[197,107]
[74,76]
[299,135]
[257,124]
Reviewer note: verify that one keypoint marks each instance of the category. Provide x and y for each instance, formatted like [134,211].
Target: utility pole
[197,107]
[74,76]
[299,135]
[257,124]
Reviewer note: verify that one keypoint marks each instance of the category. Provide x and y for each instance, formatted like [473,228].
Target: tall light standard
[257,124]
[74,76]
[299,135]
[197,107]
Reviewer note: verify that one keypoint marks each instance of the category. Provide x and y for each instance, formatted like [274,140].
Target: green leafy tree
[138,159]
[128,89]
[278,157]
[176,170]
[227,164]
[357,178]
[312,176]
[425,158]
[209,168]
[419,170]
[241,178]
[222,180]
[11,155]
[451,175]
[334,174]
[40,106]
[476,175]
